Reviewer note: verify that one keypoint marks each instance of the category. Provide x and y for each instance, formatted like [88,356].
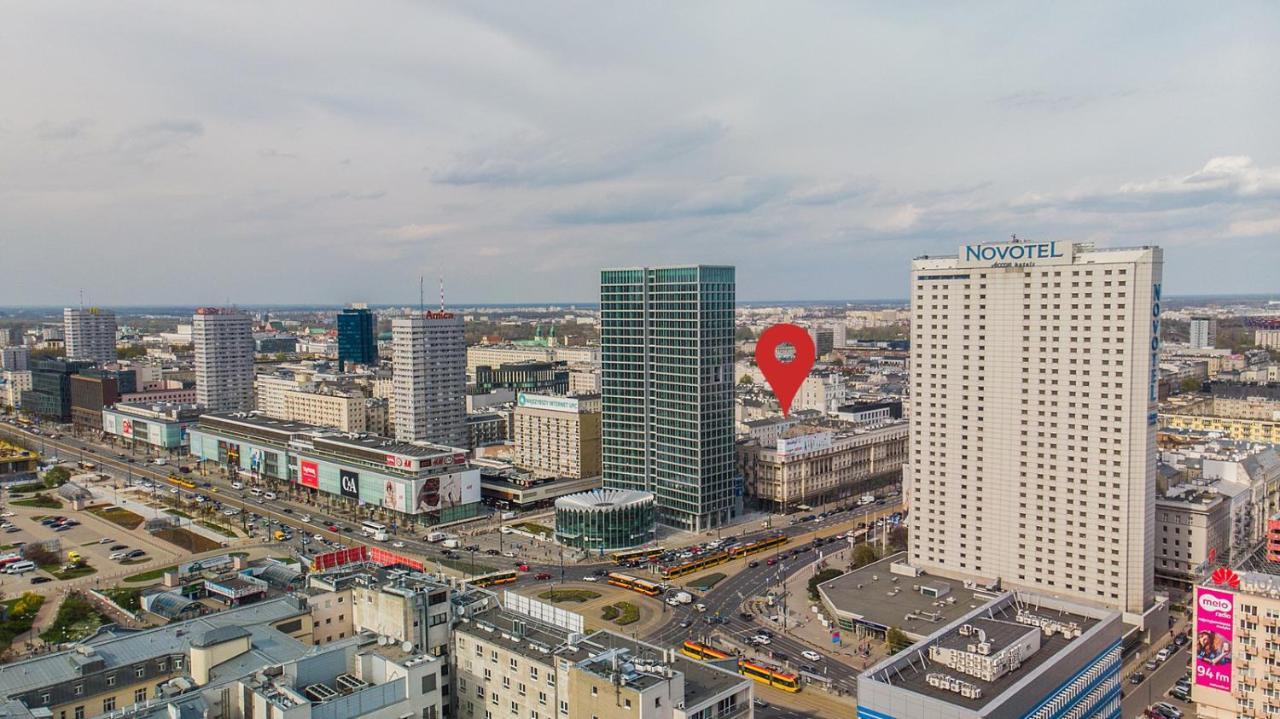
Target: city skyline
[511,151]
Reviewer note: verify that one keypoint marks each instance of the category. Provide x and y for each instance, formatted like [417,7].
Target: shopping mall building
[415,483]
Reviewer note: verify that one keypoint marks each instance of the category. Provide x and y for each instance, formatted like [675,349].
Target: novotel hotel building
[1033,419]
[401,482]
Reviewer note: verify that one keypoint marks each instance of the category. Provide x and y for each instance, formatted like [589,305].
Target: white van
[269,495]
[255,492]
[160,461]
[237,485]
[22,567]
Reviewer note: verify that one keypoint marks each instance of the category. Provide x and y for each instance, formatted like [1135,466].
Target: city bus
[489,580]
[696,564]
[760,545]
[637,555]
[765,674]
[179,481]
[634,584]
[372,529]
[701,652]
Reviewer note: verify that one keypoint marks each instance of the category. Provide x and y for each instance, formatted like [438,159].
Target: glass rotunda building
[605,519]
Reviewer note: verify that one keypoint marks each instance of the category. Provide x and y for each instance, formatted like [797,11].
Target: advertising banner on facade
[448,490]
[401,462]
[395,494]
[126,428]
[308,474]
[1215,614]
[349,483]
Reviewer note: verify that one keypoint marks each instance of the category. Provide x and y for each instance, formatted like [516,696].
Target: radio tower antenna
[421,296]
[442,294]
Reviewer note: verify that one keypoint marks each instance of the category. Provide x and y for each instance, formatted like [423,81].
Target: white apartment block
[1267,339]
[269,391]
[90,334]
[15,383]
[429,378]
[223,341]
[584,379]
[1033,411]
[346,412]
[821,393]
[1203,332]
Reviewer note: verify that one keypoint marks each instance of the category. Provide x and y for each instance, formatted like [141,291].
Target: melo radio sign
[1215,614]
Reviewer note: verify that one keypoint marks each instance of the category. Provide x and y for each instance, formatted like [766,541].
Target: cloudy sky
[333,152]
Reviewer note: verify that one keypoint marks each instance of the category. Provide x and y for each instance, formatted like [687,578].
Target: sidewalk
[119,498]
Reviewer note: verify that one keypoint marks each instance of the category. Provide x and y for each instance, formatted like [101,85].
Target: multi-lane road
[724,599]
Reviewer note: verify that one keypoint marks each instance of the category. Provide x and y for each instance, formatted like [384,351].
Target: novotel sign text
[1016,254]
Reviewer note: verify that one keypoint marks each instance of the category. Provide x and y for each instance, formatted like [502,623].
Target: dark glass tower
[356,341]
[667,386]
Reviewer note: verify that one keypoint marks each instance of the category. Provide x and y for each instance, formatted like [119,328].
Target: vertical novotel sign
[1155,343]
[1016,254]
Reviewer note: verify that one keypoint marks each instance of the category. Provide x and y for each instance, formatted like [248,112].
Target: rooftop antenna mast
[442,293]
[421,296]
[81,298]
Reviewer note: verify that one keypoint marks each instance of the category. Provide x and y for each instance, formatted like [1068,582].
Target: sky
[288,152]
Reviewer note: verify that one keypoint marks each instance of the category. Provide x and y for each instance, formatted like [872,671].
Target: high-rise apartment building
[1203,332]
[90,334]
[15,358]
[667,389]
[356,336]
[557,436]
[429,378]
[223,341]
[1033,418]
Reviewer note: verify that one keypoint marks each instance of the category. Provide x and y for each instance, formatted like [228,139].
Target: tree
[743,333]
[823,576]
[1189,384]
[897,640]
[898,538]
[56,477]
[746,379]
[863,554]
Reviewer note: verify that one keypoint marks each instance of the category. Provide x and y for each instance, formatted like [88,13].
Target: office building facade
[527,376]
[224,347]
[668,390]
[90,334]
[50,393]
[16,358]
[1033,419]
[557,436]
[356,342]
[430,378]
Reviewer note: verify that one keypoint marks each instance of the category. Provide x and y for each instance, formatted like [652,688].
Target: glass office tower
[666,381]
[356,343]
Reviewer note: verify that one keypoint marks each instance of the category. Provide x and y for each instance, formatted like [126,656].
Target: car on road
[542,575]
[332,527]
[1163,654]
[600,572]
[237,485]
[1151,664]
[304,517]
[1179,639]
[1137,678]
[398,545]
[753,564]
[287,510]
[40,580]
[492,552]
[771,562]
[760,703]
[319,537]
[780,656]
[746,616]
[686,624]
[811,655]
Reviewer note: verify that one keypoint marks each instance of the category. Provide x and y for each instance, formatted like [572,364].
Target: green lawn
[628,613]
[77,618]
[217,528]
[127,597]
[151,575]
[707,582]
[178,513]
[118,515]
[27,488]
[40,500]
[534,528]
[568,595]
[83,570]
[22,612]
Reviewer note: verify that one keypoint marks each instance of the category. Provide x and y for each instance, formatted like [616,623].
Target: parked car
[117,556]
[135,553]
[1137,677]
[40,580]
[1163,654]
[1167,710]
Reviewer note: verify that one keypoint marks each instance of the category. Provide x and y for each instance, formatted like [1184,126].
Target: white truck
[867,499]
[508,515]
[436,537]
[452,543]
[683,598]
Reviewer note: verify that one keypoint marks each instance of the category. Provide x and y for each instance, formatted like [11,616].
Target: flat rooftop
[531,638]
[873,595]
[1001,626]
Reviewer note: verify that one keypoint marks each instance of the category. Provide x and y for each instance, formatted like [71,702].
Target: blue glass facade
[356,342]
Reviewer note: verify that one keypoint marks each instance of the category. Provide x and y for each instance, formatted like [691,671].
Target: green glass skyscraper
[666,337]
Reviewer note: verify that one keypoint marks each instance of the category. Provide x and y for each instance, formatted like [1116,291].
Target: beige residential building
[15,383]
[557,436]
[346,411]
[269,389]
[814,465]
[515,664]
[1236,676]
[1033,407]
[584,379]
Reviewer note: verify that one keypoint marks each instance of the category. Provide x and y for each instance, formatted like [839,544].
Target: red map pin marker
[785,377]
